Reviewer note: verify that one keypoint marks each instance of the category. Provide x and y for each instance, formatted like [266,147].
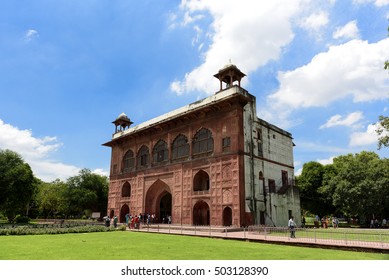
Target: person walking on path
[291,226]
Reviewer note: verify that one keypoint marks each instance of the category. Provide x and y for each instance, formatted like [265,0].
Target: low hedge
[26,230]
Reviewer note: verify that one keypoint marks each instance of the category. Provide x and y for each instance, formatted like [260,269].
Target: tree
[17,184]
[86,191]
[51,198]
[310,183]
[360,185]
[383,132]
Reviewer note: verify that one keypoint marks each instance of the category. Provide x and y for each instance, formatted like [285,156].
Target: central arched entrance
[165,207]
[201,216]
[123,211]
[159,201]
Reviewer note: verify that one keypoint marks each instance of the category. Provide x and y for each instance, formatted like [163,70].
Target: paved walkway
[238,234]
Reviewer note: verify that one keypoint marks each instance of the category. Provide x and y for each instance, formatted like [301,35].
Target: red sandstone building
[212,162]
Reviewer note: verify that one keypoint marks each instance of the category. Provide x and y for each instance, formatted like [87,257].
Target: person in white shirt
[291,226]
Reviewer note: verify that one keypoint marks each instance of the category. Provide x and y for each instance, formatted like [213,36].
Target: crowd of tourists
[134,222]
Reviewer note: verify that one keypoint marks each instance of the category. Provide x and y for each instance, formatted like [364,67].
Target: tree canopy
[17,184]
[86,191]
[20,191]
[354,185]
[310,183]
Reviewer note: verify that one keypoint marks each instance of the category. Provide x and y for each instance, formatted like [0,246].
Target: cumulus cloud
[353,69]
[262,32]
[36,152]
[30,35]
[326,161]
[315,21]
[378,3]
[349,31]
[364,138]
[100,171]
[349,120]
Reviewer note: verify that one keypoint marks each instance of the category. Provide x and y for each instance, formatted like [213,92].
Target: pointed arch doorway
[159,200]
[201,214]
[123,211]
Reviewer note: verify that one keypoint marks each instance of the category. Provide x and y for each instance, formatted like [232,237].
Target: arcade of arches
[159,201]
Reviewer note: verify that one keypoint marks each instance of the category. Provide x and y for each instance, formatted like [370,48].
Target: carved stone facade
[197,165]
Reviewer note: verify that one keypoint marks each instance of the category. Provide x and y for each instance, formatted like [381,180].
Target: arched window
[180,147]
[126,190]
[128,161]
[201,181]
[143,157]
[160,152]
[203,142]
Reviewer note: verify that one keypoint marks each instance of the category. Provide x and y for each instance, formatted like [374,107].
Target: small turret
[229,74]
[122,123]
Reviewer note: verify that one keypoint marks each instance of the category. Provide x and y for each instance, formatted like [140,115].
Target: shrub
[24,230]
[21,219]
[122,228]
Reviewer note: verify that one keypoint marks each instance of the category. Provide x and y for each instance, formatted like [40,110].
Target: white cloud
[262,31]
[367,137]
[100,171]
[349,120]
[298,172]
[326,161]
[30,35]
[378,3]
[353,69]
[36,152]
[315,21]
[349,31]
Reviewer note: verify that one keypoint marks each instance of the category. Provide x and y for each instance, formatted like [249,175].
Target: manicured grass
[148,246]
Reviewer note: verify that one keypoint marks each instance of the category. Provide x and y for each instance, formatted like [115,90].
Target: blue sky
[69,68]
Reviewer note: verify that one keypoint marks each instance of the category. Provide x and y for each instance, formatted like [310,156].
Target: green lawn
[147,246]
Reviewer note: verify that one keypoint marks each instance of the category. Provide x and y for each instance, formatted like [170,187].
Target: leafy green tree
[383,132]
[310,183]
[86,191]
[17,184]
[51,198]
[360,185]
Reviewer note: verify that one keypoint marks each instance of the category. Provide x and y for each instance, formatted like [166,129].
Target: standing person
[127,219]
[115,221]
[303,222]
[291,226]
[316,222]
[384,223]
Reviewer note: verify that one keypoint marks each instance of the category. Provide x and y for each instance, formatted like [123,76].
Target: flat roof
[219,96]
